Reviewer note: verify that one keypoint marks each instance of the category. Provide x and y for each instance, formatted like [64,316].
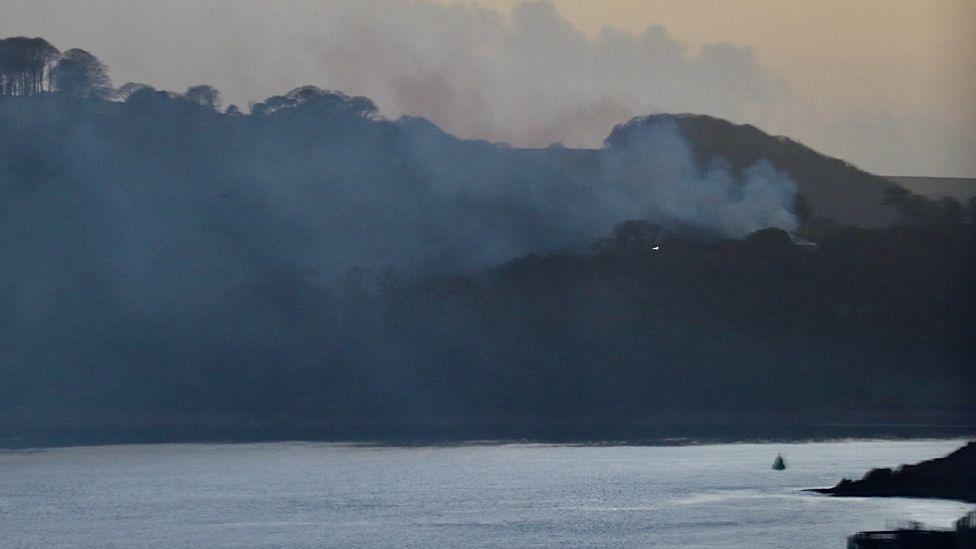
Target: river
[475,495]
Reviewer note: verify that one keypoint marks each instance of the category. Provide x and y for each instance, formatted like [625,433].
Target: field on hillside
[960,188]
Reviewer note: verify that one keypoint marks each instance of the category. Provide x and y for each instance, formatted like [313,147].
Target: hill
[832,188]
[312,270]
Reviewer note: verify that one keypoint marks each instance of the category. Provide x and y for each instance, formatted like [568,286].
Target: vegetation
[949,477]
[833,191]
[31,66]
[311,269]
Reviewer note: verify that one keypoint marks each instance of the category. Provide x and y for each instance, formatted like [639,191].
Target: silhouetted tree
[915,209]
[633,236]
[953,212]
[142,94]
[769,242]
[125,91]
[205,96]
[24,64]
[312,95]
[802,209]
[81,74]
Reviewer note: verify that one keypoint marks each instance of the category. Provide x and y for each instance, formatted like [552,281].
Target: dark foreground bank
[962,537]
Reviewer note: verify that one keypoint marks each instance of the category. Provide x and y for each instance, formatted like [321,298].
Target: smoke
[194,194]
[655,176]
[158,255]
[530,80]
[481,204]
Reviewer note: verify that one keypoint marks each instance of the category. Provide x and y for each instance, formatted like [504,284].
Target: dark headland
[949,477]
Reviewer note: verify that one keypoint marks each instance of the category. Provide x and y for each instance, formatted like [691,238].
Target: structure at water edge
[914,537]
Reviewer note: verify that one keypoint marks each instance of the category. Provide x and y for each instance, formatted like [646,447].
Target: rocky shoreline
[949,477]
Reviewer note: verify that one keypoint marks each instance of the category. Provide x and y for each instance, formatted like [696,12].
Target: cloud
[529,80]
[906,143]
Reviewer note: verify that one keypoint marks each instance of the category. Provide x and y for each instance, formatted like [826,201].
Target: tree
[127,90]
[914,208]
[631,237]
[205,96]
[81,74]
[329,101]
[24,63]
[953,212]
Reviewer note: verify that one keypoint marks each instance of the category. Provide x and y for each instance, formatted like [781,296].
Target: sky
[887,85]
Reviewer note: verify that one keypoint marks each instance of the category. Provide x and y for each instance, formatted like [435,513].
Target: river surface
[504,495]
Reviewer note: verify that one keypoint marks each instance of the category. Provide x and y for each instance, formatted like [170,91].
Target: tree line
[32,66]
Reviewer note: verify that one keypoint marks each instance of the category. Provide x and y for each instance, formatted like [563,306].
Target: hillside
[365,186]
[313,270]
[832,188]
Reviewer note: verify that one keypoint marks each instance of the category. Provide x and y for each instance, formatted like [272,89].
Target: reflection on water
[330,495]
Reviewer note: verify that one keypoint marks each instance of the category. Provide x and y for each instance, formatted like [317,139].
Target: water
[328,495]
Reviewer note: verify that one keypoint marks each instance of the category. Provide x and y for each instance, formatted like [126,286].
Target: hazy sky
[889,85]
